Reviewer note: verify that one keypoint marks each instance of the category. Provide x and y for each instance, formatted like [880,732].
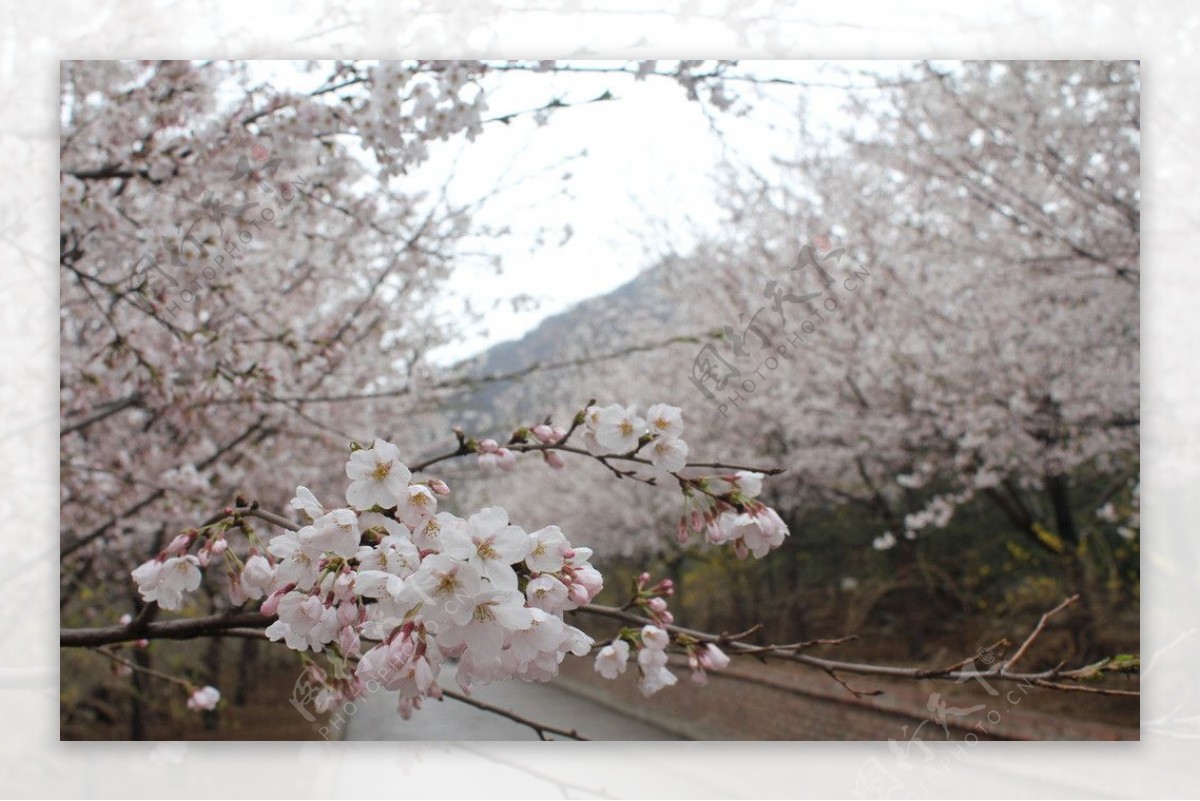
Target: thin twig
[997,672]
[1081,688]
[959,665]
[270,517]
[852,690]
[1033,635]
[158,674]
[542,729]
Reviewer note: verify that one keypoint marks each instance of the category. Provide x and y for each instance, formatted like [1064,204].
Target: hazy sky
[647,176]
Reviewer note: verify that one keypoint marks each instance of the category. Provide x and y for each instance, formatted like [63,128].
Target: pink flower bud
[438,487]
[217,547]
[178,546]
[347,614]
[126,619]
[590,579]
[544,433]
[348,639]
[489,446]
[559,432]
[401,650]
[578,594]
[507,459]
[203,699]
[271,605]
[553,459]
[657,605]
[343,587]
[643,579]
[713,658]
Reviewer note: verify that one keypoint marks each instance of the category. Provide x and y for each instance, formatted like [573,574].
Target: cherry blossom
[204,699]
[417,505]
[704,658]
[548,550]
[547,593]
[612,659]
[491,546]
[335,532]
[494,615]
[669,454]
[618,428]
[655,638]
[305,622]
[377,477]
[306,502]
[167,580]
[255,580]
[298,561]
[655,675]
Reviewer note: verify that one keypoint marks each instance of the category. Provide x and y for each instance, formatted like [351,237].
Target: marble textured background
[34,36]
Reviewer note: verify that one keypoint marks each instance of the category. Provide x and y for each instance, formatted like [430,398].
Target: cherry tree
[938,305]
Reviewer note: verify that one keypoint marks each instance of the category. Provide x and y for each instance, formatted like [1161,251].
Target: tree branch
[229,624]
[793,653]
[542,729]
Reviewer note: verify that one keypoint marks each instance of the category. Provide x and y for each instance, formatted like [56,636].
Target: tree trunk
[1075,574]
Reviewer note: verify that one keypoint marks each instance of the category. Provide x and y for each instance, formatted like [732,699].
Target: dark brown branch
[186,629]
[105,412]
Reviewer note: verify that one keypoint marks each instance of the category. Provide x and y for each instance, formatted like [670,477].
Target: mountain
[591,328]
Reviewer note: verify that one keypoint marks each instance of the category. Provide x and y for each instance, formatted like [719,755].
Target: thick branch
[233,624]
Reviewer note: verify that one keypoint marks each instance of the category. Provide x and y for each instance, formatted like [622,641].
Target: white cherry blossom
[377,477]
[166,581]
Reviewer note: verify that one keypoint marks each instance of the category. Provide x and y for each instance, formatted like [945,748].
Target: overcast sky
[613,174]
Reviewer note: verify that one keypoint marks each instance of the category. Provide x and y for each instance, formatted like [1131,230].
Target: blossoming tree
[939,307]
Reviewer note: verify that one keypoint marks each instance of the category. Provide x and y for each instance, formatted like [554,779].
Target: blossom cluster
[726,512]
[203,699]
[653,639]
[390,588]
[413,104]
[607,431]
[651,643]
[620,429]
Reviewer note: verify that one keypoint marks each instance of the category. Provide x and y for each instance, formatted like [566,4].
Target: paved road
[375,717]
